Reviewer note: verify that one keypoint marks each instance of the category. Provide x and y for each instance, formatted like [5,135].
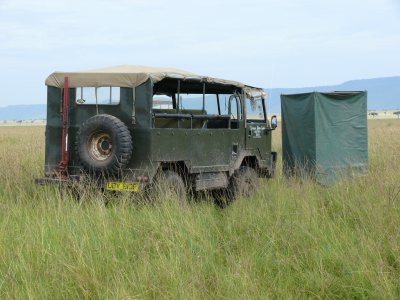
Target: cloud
[260,42]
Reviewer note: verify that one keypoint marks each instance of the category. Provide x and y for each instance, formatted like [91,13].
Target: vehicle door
[258,135]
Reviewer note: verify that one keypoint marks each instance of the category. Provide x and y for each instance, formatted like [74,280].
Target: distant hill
[383,93]
[23,112]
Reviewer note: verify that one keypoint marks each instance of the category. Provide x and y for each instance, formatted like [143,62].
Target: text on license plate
[122,186]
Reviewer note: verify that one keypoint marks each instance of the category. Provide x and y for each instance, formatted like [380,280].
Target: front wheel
[244,183]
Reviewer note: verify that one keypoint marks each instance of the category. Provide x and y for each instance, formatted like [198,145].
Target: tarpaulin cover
[133,76]
[325,135]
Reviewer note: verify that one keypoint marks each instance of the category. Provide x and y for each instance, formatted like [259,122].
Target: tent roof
[133,76]
[333,93]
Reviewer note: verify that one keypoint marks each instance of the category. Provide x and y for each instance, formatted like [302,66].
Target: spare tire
[104,144]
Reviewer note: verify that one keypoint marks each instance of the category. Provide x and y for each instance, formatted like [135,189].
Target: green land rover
[131,127]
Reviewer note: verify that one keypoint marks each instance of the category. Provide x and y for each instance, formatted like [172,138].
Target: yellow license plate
[122,186]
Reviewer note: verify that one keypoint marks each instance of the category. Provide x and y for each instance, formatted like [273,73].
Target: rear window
[104,95]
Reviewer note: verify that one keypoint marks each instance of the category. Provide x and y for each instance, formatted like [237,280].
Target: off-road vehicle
[128,127]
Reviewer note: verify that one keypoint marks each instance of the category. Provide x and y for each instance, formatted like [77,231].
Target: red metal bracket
[62,166]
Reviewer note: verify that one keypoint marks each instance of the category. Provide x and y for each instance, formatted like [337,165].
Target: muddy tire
[168,185]
[104,144]
[243,183]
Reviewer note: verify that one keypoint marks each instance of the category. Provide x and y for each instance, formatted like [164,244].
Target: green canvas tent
[325,135]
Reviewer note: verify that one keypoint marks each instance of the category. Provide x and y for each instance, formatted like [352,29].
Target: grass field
[292,240]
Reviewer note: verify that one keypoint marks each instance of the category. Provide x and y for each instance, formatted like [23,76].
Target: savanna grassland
[292,240]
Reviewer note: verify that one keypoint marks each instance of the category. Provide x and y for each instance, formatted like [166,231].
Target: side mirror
[274,122]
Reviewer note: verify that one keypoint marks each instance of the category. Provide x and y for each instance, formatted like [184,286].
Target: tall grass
[292,240]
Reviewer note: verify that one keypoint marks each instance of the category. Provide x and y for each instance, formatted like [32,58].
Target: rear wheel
[168,185]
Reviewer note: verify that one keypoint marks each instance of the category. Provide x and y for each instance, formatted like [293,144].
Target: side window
[195,102]
[190,101]
[104,95]
[235,108]
[162,102]
[224,103]
[211,104]
[255,109]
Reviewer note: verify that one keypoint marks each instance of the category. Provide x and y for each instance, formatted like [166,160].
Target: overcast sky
[259,42]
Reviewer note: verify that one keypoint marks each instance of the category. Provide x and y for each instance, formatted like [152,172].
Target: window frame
[96,98]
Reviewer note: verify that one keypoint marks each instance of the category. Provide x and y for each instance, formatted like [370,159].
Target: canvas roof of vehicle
[133,76]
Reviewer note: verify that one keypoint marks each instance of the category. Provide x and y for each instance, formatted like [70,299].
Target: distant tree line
[373,114]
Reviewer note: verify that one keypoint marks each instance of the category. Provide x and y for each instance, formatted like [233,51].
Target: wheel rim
[100,146]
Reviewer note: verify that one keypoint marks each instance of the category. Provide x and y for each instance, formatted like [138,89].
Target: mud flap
[274,157]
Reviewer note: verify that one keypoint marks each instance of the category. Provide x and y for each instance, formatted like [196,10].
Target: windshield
[255,109]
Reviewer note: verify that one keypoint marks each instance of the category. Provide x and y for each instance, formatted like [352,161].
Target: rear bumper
[57,181]
[109,184]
